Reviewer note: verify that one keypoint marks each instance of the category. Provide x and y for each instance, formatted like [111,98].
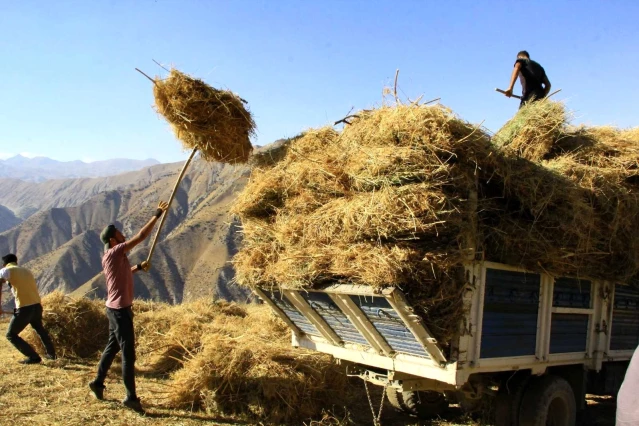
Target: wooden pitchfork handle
[519,97]
[177,184]
[504,92]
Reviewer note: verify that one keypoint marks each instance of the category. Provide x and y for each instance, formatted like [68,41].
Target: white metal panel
[294,328]
[416,366]
[416,326]
[302,305]
[361,323]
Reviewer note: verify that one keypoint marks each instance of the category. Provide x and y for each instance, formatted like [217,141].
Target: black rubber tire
[395,398]
[508,400]
[548,400]
[470,406]
[424,404]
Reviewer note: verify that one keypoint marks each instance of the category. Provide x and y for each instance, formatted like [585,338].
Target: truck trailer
[534,342]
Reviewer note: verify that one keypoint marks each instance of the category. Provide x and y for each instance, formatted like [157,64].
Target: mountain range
[39,169]
[53,227]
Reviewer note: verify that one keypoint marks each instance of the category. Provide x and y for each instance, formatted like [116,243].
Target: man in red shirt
[119,285]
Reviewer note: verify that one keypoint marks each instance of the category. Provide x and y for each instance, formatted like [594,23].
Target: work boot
[134,404]
[37,360]
[97,389]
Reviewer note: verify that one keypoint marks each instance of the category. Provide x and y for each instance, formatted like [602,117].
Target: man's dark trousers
[532,96]
[121,337]
[22,317]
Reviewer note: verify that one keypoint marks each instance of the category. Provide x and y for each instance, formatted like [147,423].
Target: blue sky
[69,90]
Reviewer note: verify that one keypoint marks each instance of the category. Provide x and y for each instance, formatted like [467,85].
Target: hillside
[60,241]
[7,219]
[39,169]
[27,198]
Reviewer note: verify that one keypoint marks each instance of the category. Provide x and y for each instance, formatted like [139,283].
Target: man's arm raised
[144,233]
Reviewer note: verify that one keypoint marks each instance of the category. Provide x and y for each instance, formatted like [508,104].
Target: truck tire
[548,400]
[424,404]
[395,399]
[508,400]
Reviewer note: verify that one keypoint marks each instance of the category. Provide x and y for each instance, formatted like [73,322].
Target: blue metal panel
[572,293]
[289,310]
[625,319]
[568,333]
[336,319]
[511,303]
[388,323]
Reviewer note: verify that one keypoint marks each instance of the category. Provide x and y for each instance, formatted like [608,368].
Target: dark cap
[106,234]
[9,258]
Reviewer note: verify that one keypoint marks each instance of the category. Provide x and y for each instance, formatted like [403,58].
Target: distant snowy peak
[38,169]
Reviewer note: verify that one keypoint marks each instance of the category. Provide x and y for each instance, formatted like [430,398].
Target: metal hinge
[602,328]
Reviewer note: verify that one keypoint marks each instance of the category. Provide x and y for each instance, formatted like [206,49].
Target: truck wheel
[470,406]
[395,399]
[423,404]
[548,400]
[508,400]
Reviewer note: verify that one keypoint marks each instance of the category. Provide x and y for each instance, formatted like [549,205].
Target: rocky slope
[59,238]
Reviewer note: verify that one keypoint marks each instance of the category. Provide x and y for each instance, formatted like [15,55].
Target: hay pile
[233,359]
[213,121]
[245,366]
[220,357]
[78,328]
[389,201]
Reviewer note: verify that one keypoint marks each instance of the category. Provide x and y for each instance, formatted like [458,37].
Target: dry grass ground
[56,393]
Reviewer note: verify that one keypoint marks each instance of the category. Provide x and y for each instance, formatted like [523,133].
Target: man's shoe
[97,389]
[37,360]
[134,404]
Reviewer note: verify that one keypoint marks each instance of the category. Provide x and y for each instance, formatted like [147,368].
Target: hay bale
[211,120]
[78,328]
[298,172]
[397,213]
[245,366]
[532,132]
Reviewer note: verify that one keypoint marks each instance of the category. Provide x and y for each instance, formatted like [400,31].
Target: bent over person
[28,309]
[534,82]
[119,286]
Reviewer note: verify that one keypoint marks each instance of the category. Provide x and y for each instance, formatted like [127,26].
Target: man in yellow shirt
[28,309]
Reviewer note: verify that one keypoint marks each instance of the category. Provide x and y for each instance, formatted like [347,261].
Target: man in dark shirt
[534,82]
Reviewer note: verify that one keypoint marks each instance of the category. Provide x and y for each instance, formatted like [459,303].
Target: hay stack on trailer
[403,195]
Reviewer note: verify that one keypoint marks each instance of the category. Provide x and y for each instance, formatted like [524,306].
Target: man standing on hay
[534,82]
[119,284]
[28,309]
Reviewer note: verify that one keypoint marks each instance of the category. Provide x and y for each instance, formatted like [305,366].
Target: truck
[534,342]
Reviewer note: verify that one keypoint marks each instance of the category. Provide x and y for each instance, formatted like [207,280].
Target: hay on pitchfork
[78,328]
[214,121]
